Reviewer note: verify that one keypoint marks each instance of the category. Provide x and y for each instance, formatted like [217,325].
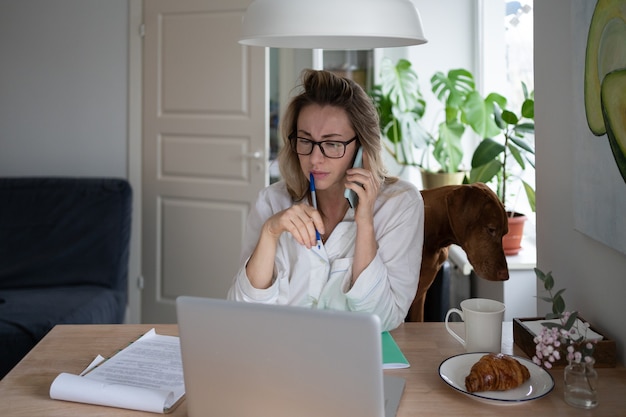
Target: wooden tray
[604,353]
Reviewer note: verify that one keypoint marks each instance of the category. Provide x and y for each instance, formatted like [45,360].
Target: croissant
[496,372]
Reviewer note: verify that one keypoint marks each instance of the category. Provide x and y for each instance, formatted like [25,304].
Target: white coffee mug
[483,324]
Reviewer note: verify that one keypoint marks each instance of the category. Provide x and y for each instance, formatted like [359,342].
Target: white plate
[454,370]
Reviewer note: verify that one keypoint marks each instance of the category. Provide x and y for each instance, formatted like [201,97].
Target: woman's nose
[317,154]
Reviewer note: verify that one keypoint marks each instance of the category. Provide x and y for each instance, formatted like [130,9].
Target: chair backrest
[64,231]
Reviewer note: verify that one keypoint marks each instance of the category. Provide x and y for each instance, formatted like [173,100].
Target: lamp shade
[332,24]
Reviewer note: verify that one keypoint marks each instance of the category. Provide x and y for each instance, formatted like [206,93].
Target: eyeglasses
[330,148]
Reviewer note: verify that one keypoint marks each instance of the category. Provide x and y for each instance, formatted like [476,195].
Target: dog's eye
[491,231]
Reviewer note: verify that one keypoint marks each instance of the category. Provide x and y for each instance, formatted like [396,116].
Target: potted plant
[401,107]
[504,158]
[463,107]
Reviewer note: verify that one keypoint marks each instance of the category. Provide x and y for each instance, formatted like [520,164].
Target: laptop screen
[247,359]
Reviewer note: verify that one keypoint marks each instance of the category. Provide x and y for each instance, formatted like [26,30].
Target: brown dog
[470,216]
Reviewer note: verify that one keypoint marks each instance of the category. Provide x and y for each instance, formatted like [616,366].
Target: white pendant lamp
[332,24]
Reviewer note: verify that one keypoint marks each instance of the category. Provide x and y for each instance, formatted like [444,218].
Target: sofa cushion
[27,315]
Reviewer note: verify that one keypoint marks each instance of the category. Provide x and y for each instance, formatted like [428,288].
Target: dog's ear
[497,211]
[464,206]
[473,205]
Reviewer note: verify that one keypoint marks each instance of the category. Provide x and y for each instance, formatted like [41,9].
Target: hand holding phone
[351,196]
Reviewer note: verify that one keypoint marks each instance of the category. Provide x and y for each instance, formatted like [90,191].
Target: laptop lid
[246,359]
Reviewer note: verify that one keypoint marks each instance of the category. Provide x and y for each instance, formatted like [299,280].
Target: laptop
[248,359]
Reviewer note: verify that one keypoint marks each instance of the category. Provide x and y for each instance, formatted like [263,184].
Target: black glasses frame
[294,145]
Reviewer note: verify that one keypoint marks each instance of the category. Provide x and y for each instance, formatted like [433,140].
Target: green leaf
[453,88]
[548,283]
[525,128]
[494,125]
[401,84]
[486,151]
[540,274]
[485,172]
[525,90]
[558,305]
[528,109]
[517,156]
[520,143]
[497,116]
[448,149]
[495,98]
[530,194]
[400,106]
[475,113]
[509,117]
[452,114]
[463,80]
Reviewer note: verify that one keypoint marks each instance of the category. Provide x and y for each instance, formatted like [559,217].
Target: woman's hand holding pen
[301,220]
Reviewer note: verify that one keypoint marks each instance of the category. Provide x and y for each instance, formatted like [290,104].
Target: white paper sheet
[76,388]
[536,327]
[147,375]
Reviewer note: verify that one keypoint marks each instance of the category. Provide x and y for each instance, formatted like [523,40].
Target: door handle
[253,155]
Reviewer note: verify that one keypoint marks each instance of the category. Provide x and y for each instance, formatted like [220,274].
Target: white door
[204,148]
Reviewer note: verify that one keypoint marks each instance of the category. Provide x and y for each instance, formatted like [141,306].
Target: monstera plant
[401,107]
[464,108]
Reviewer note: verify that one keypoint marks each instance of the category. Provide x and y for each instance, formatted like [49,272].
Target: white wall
[448,26]
[593,274]
[65,104]
[63,87]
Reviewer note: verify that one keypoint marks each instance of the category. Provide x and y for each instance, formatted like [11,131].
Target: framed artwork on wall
[600,120]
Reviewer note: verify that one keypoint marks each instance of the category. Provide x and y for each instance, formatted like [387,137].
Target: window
[518,23]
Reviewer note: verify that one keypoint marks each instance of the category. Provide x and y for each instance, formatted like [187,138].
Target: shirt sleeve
[241,289]
[388,285]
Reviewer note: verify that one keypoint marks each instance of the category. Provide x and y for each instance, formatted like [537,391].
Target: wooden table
[70,348]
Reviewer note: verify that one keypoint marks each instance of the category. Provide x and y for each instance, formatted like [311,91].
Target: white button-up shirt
[320,277]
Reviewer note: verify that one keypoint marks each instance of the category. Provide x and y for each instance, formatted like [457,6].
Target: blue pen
[314,200]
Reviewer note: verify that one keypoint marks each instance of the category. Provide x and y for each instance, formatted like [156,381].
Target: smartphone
[351,196]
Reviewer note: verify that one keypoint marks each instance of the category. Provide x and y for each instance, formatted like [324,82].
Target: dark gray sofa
[64,249]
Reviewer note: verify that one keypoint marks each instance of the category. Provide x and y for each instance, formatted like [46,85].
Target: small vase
[581,382]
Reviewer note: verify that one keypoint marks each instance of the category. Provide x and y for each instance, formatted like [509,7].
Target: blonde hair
[327,89]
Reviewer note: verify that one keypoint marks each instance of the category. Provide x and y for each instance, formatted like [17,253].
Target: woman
[369,257]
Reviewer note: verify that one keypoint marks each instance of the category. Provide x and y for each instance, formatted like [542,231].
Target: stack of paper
[147,375]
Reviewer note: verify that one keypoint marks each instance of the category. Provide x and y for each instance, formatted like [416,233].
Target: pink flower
[549,341]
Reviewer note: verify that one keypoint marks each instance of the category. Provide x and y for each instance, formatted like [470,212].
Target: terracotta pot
[511,242]
[440,179]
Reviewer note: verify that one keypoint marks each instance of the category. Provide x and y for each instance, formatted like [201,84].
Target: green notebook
[393,358]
